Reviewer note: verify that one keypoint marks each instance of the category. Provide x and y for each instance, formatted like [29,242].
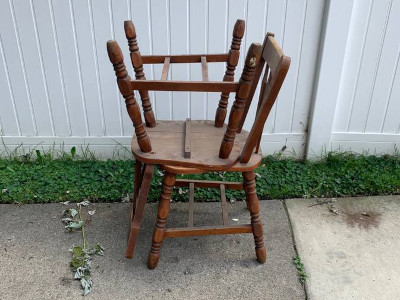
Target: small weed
[81,254]
[300,269]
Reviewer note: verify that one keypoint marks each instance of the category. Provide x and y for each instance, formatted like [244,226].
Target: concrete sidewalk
[34,258]
[352,255]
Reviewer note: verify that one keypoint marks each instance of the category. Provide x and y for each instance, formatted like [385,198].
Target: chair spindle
[245,83]
[233,59]
[124,84]
[136,58]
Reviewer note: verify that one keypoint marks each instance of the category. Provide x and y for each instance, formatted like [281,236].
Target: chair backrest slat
[277,66]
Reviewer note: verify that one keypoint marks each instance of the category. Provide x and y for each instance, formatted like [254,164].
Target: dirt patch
[364,220]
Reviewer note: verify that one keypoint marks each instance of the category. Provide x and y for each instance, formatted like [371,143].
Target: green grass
[300,269]
[40,178]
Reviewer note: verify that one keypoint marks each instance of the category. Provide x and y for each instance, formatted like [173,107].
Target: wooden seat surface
[168,145]
[253,163]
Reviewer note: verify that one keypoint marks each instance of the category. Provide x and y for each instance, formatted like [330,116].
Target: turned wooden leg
[162,214]
[252,204]
[137,184]
[139,210]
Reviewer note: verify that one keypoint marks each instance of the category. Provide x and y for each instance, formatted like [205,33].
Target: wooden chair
[187,147]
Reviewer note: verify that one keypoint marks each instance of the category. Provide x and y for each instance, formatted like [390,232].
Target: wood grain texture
[185,58]
[209,184]
[252,202]
[188,133]
[257,74]
[191,203]
[139,210]
[271,86]
[124,84]
[130,33]
[162,214]
[251,165]
[168,139]
[207,230]
[185,86]
[233,59]
[137,184]
[245,82]
[224,206]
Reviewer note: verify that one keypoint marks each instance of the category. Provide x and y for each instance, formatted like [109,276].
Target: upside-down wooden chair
[143,173]
[188,147]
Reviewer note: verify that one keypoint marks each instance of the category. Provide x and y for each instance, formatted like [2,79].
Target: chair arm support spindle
[233,59]
[124,85]
[245,82]
[136,58]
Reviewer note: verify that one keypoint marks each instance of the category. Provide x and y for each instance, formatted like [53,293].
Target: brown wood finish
[233,59]
[252,58]
[180,59]
[130,33]
[207,230]
[188,132]
[209,184]
[124,84]
[162,214]
[139,210]
[224,206]
[191,203]
[168,145]
[257,74]
[253,163]
[195,147]
[252,202]
[271,87]
[275,71]
[137,184]
[185,86]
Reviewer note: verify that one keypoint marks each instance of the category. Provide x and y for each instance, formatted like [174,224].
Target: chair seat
[253,163]
[168,145]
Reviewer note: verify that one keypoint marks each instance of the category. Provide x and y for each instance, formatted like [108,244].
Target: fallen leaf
[83,203]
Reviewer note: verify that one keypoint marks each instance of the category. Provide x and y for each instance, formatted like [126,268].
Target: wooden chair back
[276,66]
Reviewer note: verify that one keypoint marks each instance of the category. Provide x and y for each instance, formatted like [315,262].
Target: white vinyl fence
[57,85]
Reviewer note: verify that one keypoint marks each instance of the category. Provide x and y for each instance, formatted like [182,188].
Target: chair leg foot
[252,204]
[154,256]
[261,254]
[162,214]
